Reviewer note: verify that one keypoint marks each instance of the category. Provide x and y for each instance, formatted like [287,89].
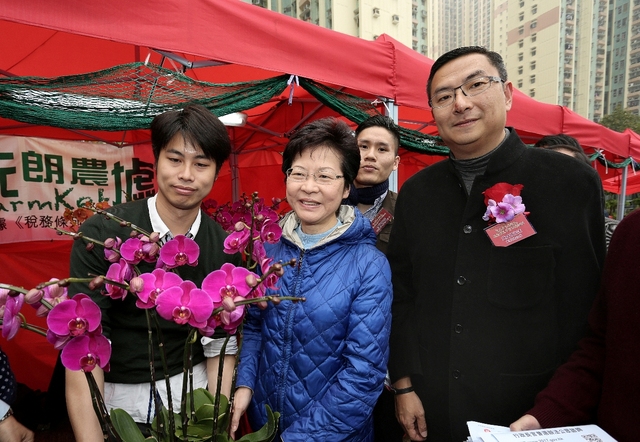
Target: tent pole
[622,195]
[235,177]
[391,111]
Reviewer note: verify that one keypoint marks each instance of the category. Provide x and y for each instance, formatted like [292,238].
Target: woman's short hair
[198,126]
[326,132]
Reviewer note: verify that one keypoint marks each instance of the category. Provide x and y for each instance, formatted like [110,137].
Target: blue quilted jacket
[322,363]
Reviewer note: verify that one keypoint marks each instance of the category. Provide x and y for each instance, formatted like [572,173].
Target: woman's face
[316,203]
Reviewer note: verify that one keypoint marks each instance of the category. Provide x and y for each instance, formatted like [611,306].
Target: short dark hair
[385,123]
[198,126]
[332,133]
[553,140]
[494,58]
[576,152]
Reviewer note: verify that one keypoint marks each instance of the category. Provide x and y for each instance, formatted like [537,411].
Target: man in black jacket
[496,255]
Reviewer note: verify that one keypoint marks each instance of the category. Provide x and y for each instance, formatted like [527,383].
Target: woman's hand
[241,401]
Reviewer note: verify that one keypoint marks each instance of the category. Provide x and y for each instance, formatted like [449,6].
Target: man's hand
[13,431]
[526,422]
[410,414]
[241,401]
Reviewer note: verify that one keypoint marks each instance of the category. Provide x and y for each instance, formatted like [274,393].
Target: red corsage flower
[503,202]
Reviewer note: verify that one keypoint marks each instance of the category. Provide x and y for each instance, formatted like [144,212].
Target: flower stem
[261,299]
[101,410]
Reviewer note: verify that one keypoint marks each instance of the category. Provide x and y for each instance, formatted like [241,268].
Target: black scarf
[366,195]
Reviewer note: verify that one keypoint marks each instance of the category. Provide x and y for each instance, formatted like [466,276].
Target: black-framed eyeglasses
[299,175]
[470,88]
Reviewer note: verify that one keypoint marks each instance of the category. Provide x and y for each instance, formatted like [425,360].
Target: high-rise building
[555,50]
[400,19]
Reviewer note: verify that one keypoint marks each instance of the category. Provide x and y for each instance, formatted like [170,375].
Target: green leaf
[267,432]
[125,426]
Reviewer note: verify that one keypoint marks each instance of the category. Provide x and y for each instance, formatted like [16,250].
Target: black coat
[482,328]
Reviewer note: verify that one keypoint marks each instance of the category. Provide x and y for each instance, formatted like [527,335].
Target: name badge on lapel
[505,234]
[381,219]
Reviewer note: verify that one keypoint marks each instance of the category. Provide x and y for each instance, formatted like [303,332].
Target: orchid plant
[74,324]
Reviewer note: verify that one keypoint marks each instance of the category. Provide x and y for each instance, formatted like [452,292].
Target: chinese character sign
[40,178]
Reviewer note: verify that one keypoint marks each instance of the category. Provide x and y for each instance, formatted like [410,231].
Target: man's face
[185,175]
[377,156]
[471,126]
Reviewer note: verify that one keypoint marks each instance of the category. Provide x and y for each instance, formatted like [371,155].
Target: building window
[520,56]
[533,24]
[522,3]
[532,65]
[520,70]
[532,92]
[520,84]
[521,16]
[534,9]
[534,37]
[521,42]
[533,51]
[521,30]
[532,79]
[615,92]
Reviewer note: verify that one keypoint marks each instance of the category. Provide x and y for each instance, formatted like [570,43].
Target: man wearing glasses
[492,284]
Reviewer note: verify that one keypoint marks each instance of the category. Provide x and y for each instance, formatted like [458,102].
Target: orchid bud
[96,282]
[153,250]
[133,233]
[112,256]
[275,300]
[89,247]
[154,237]
[251,280]
[239,226]
[276,201]
[33,296]
[228,304]
[277,269]
[64,283]
[136,285]
[109,243]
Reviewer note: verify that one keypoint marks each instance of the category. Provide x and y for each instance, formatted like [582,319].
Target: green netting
[124,97]
[358,109]
[127,97]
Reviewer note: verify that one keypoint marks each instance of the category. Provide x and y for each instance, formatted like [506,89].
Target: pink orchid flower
[179,251]
[185,304]
[87,352]
[120,272]
[155,283]
[53,294]
[236,242]
[225,287]
[73,317]
[9,309]
[271,233]
[111,249]
[139,249]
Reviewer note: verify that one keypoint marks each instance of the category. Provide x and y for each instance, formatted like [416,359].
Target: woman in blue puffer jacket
[320,363]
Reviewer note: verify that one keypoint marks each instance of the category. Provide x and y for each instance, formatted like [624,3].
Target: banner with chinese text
[40,178]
